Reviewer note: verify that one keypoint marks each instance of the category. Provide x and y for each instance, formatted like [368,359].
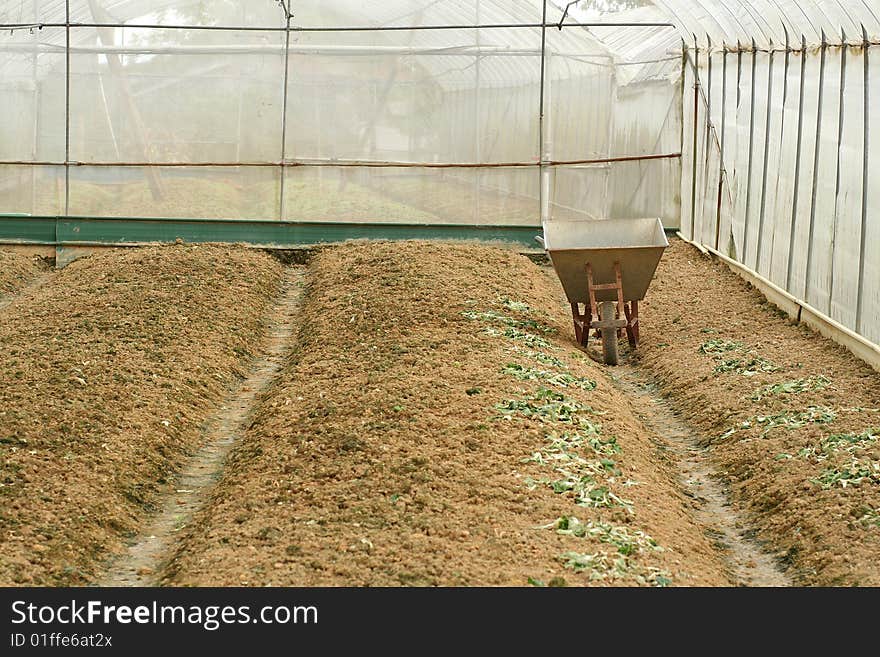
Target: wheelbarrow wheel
[609,336]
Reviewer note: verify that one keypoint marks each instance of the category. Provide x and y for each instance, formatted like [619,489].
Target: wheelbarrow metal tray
[637,244]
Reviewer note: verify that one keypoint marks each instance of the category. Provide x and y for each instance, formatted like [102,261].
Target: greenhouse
[321,208]
[747,125]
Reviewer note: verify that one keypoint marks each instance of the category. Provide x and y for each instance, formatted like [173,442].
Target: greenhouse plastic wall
[781,153]
[462,112]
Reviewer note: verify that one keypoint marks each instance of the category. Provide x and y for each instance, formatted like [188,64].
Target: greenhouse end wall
[211,109]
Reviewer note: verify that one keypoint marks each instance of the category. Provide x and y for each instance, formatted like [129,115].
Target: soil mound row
[110,371]
[792,419]
[436,426]
[17,270]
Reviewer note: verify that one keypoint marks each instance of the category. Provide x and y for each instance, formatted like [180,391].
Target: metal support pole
[786,68]
[696,138]
[867,144]
[35,141]
[841,110]
[745,253]
[707,144]
[766,164]
[478,148]
[816,160]
[358,28]
[544,180]
[797,165]
[722,152]
[67,108]
[284,101]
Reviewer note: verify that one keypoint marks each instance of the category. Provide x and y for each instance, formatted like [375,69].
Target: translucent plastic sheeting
[642,131]
[377,96]
[32,91]
[32,189]
[217,101]
[795,152]
[503,196]
[179,192]
[822,217]
[788,136]
[869,306]
[771,211]
[769,22]
[410,13]
[217,13]
[847,222]
[616,190]
[633,190]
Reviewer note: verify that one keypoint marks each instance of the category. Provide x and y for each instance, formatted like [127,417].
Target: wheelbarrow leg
[581,324]
[632,323]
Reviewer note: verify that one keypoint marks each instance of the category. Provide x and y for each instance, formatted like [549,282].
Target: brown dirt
[147,553]
[380,456]
[17,271]
[824,534]
[749,564]
[110,371]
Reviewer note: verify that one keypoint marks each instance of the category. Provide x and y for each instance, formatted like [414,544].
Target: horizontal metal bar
[351,28]
[87,231]
[279,48]
[746,48]
[612,160]
[348,163]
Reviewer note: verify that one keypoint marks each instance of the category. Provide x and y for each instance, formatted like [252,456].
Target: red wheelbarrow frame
[589,319]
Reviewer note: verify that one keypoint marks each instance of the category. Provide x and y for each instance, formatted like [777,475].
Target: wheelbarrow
[606,266]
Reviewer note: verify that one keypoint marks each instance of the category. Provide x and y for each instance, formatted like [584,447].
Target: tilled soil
[110,371]
[145,555]
[791,419]
[17,271]
[436,426]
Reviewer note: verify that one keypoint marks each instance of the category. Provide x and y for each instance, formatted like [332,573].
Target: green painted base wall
[84,231]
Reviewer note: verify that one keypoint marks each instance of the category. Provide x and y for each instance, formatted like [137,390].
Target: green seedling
[545,405]
[553,458]
[870,517]
[810,384]
[585,490]
[499,318]
[587,435]
[853,474]
[559,379]
[541,357]
[841,442]
[787,419]
[627,541]
[850,442]
[598,563]
[796,420]
[516,306]
[599,497]
[520,336]
[715,347]
[601,566]
[745,366]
